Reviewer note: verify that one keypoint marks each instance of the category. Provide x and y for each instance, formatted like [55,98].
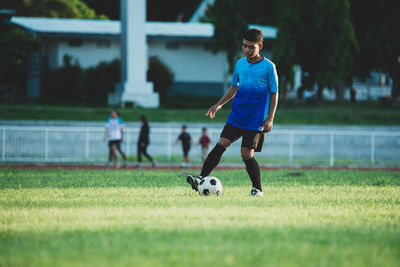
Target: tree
[229,25]
[318,36]
[15,47]
[377,25]
[52,9]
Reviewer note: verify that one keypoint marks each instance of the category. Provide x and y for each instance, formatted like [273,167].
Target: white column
[134,62]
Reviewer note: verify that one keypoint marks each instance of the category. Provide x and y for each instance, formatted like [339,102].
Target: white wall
[191,62]
[89,54]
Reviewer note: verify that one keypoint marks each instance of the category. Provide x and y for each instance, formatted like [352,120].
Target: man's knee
[246,153]
[224,142]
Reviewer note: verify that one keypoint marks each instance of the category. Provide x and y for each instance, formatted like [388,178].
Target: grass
[152,218]
[325,113]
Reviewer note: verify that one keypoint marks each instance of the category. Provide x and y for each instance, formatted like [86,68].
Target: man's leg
[252,167]
[139,153]
[114,156]
[121,152]
[109,153]
[214,156]
[146,154]
[211,162]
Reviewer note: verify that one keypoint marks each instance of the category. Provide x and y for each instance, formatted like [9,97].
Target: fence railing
[281,147]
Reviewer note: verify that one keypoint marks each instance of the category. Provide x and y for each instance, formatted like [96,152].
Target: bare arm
[228,96]
[273,103]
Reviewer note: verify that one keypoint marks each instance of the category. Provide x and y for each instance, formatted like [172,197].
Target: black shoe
[193,181]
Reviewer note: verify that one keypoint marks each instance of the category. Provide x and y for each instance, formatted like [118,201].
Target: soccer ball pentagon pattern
[210,185]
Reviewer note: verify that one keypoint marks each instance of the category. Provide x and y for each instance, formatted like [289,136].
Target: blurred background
[338,63]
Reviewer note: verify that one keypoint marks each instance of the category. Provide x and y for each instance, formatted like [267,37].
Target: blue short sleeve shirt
[256,82]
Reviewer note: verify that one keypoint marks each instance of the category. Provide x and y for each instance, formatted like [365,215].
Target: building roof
[112,28]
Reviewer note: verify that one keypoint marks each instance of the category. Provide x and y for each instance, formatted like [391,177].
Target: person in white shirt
[114,134]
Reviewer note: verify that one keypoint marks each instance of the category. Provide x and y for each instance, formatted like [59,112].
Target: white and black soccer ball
[210,185]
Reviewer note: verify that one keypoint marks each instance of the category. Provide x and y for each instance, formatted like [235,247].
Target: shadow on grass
[15,178]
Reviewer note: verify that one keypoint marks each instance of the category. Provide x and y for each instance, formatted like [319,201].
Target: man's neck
[255,59]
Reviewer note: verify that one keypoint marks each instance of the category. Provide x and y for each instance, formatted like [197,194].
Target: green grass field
[152,218]
[324,113]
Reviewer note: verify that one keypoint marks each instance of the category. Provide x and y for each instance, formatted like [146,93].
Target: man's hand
[267,125]
[212,110]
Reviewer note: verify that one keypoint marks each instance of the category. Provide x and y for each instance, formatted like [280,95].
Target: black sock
[212,160]
[253,169]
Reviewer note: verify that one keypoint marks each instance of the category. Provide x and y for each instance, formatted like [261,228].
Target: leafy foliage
[160,75]
[229,26]
[52,8]
[65,83]
[101,79]
[377,25]
[15,47]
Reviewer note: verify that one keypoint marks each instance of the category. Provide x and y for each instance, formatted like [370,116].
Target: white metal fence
[283,147]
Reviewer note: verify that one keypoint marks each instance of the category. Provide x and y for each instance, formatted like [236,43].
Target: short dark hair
[204,129]
[184,126]
[254,35]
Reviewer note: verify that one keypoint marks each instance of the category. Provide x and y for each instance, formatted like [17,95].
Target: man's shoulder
[268,62]
[241,61]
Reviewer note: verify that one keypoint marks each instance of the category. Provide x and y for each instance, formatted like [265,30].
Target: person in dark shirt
[204,141]
[186,141]
[143,142]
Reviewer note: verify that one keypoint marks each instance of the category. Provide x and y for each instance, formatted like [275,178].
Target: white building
[184,47]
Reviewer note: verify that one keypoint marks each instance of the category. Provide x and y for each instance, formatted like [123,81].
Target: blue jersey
[256,82]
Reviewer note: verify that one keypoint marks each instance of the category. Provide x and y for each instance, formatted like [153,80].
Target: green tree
[377,25]
[318,36]
[229,19]
[51,8]
[15,47]
[161,76]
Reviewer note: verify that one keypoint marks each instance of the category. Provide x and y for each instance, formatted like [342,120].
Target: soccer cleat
[256,192]
[153,164]
[125,163]
[193,181]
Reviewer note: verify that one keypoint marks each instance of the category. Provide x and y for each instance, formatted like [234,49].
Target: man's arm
[122,135]
[228,96]
[273,103]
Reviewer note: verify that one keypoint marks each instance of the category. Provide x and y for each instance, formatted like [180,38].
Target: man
[186,141]
[254,88]
[114,133]
[204,141]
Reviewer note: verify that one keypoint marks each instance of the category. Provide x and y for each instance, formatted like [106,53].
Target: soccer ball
[210,185]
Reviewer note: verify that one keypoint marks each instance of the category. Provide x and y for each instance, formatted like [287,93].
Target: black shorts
[185,151]
[250,138]
[115,142]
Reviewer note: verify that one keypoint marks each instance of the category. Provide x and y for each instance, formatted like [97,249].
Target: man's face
[251,49]
[114,114]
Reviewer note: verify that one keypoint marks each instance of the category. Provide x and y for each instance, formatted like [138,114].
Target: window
[172,45]
[75,42]
[207,47]
[103,44]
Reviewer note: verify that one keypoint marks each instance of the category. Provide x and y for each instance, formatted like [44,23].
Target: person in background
[204,141]
[114,132]
[186,141]
[143,142]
